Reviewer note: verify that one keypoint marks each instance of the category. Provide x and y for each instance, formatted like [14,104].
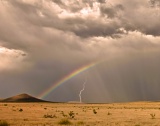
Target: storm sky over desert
[42,41]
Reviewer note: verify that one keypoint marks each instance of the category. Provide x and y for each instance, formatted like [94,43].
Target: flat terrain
[50,114]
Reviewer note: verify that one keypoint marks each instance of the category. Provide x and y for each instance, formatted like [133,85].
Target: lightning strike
[80,93]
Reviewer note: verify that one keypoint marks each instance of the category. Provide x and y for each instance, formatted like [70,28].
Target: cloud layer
[43,40]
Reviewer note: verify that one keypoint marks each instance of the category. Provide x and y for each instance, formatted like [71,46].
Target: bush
[153,116]
[64,115]
[20,110]
[4,123]
[49,116]
[94,111]
[109,113]
[80,123]
[71,114]
[64,122]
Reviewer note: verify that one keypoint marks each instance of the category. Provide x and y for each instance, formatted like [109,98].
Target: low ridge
[22,98]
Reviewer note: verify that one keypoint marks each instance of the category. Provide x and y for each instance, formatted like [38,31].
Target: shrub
[49,116]
[64,115]
[80,123]
[94,111]
[109,113]
[20,110]
[71,114]
[152,116]
[4,123]
[25,119]
[64,122]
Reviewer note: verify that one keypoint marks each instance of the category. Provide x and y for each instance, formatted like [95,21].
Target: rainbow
[66,78]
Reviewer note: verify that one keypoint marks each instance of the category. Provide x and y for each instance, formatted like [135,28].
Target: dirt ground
[50,114]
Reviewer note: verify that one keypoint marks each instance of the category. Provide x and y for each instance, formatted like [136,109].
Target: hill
[22,98]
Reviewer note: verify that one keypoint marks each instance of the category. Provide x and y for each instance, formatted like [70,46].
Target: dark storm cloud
[74,6]
[46,40]
[59,2]
[80,26]
[13,36]
[144,19]
[88,27]
[111,11]
[126,17]
[101,1]
[154,3]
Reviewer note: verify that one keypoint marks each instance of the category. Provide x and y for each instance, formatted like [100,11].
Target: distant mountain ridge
[22,98]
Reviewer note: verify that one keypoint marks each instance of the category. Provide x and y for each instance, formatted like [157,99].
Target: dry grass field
[56,114]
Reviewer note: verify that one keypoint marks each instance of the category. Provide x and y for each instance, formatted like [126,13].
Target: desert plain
[53,114]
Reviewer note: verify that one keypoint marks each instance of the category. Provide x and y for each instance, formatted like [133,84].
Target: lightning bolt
[80,93]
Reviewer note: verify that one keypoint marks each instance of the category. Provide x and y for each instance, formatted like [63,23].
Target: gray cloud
[46,40]
[101,1]
[154,3]
[59,2]
[111,11]
[84,26]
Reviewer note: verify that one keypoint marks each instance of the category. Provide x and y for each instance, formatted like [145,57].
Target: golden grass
[3,123]
[118,114]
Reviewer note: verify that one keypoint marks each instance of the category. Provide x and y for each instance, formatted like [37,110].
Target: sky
[42,41]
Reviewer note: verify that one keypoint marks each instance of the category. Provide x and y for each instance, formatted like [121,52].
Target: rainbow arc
[66,78]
